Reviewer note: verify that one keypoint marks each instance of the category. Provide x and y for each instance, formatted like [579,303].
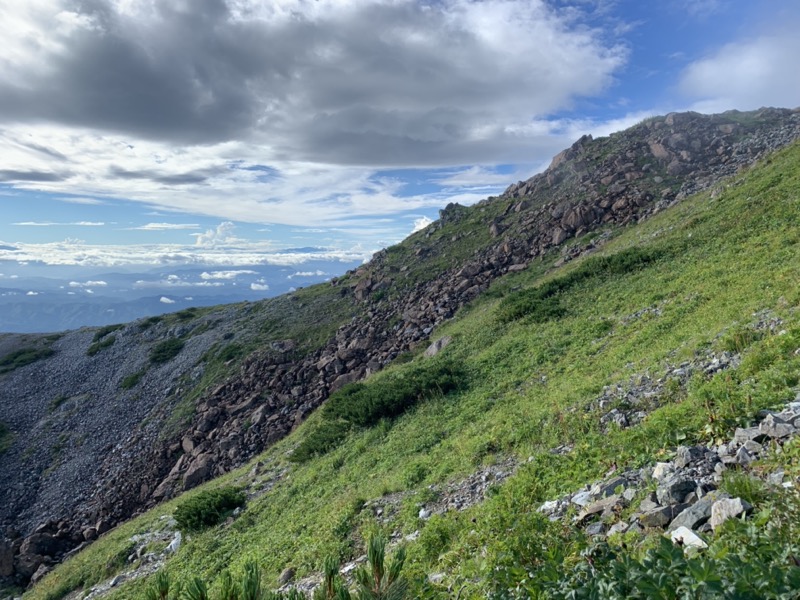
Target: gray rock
[728,508]
[686,455]
[660,517]
[286,576]
[743,457]
[662,470]
[582,498]
[674,489]
[698,513]
[775,427]
[438,346]
[741,435]
[596,528]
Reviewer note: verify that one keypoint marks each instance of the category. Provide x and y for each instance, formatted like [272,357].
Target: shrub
[132,380]
[208,508]
[97,346]
[104,331]
[6,437]
[542,304]
[166,350]
[22,357]
[321,440]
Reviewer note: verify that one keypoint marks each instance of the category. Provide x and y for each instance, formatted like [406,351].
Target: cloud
[32,293]
[87,284]
[259,287]
[421,223]
[316,273]
[165,300]
[747,74]
[165,227]
[52,224]
[226,274]
[223,234]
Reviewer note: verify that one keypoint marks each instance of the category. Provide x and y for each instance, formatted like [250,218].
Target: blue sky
[227,131]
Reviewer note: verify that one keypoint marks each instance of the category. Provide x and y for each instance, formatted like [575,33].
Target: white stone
[688,538]
[725,509]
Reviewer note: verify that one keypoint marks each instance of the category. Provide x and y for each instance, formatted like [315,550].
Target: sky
[139,133]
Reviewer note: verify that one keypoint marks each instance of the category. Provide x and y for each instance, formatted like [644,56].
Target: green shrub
[230,352]
[104,331]
[321,440]
[186,314]
[98,346]
[208,508]
[132,380]
[166,350]
[6,437]
[22,357]
[365,404]
[542,303]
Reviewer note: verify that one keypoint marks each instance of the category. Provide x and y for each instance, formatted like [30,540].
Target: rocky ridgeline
[687,499]
[610,181]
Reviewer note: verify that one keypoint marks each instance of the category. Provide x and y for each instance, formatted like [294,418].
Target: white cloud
[87,284]
[421,223]
[223,234]
[32,294]
[52,224]
[226,274]
[165,226]
[748,74]
[165,300]
[316,273]
[259,287]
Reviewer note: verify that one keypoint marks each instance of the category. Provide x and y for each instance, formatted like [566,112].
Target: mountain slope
[217,404]
[687,329]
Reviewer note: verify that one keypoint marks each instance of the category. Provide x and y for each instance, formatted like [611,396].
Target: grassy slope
[727,258]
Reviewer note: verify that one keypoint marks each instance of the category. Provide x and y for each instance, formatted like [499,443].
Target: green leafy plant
[104,331]
[132,380]
[166,350]
[22,357]
[208,508]
[105,342]
[376,581]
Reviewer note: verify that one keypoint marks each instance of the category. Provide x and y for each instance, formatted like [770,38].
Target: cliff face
[90,445]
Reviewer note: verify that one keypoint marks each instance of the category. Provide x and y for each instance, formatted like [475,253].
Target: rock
[674,489]
[41,543]
[6,558]
[605,505]
[286,576]
[608,488]
[741,435]
[582,498]
[698,513]
[597,528]
[438,346]
[660,517]
[687,538]
[775,427]
[40,574]
[686,455]
[89,534]
[743,457]
[424,513]
[175,544]
[727,508]
[198,471]
[662,470]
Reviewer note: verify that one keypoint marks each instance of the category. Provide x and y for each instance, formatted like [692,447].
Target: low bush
[104,331]
[542,303]
[5,437]
[166,350]
[24,356]
[132,380]
[208,508]
[106,342]
[321,440]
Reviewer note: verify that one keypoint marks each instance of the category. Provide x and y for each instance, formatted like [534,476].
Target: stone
[41,543]
[686,455]
[727,508]
[601,506]
[609,488]
[662,470]
[89,534]
[424,513]
[741,435]
[40,574]
[438,346]
[687,538]
[198,470]
[660,517]
[175,544]
[597,528]
[743,457]
[582,498]
[775,427]
[674,489]
[620,527]
[698,513]
[286,576]
[6,559]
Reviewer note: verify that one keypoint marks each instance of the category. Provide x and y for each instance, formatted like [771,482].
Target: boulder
[6,559]
[198,471]
[698,513]
[727,508]
[674,489]
[687,538]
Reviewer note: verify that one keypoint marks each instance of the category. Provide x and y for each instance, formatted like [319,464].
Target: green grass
[531,382]
[132,380]
[104,331]
[165,351]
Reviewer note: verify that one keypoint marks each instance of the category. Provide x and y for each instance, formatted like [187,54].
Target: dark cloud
[10,176]
[189,178]
[368,83]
